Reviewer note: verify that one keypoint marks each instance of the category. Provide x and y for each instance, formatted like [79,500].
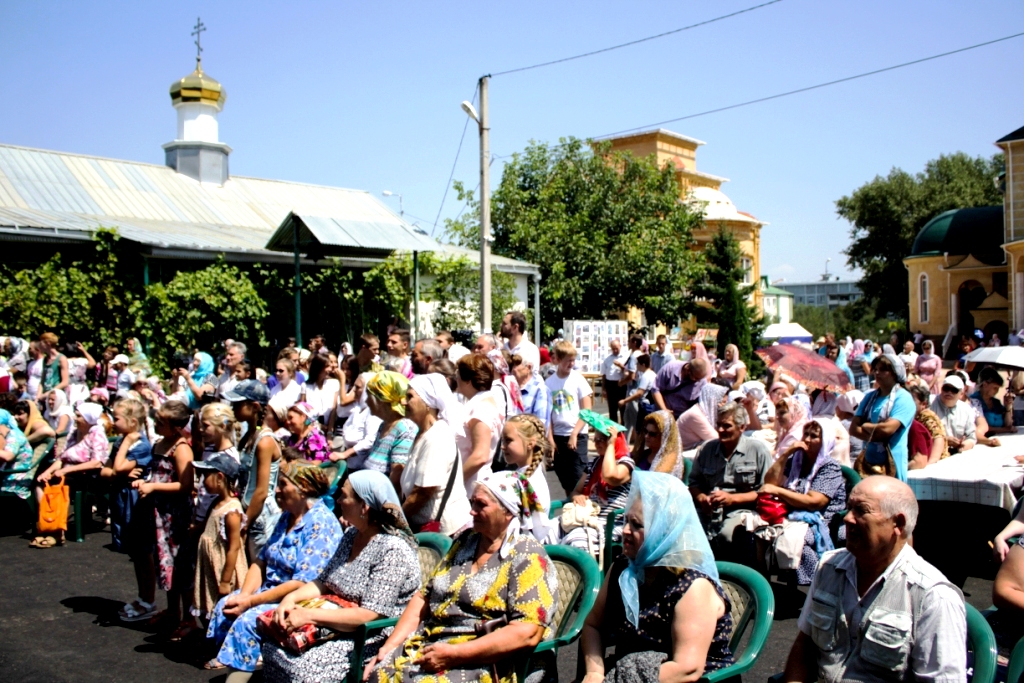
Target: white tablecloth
[982,475]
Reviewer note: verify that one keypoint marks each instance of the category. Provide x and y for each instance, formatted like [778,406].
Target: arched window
[923,293]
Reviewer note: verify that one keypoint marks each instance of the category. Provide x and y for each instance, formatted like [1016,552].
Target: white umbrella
[1010,356]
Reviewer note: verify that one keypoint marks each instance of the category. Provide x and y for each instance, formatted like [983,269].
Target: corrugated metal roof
[155,205]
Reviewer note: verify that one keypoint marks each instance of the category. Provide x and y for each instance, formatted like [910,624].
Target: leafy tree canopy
[727,299]
[856,320]
[887,213]
[607,231]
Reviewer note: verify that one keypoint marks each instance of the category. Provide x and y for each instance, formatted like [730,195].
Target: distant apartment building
[832,294]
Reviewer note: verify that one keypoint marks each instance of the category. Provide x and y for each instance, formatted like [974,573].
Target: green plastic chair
[982,642]
[687,466]
[432,547]
[752,604]
[1016,668]
[851,478]
[556,509]
[579,582]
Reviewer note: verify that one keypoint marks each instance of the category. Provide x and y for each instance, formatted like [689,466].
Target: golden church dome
[198,87]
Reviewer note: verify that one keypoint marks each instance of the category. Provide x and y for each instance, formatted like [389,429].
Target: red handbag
[771,508]
[305,637]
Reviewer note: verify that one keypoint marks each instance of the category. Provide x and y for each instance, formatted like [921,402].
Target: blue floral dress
[297,555]
[20,484]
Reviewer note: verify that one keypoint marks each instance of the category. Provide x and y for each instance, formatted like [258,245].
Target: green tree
[591,220]
[453,281]
[728,299]
[198,308]
[857,320]
[886,215]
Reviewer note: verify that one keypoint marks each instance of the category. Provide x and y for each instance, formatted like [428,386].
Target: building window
[747,266]
[923,292]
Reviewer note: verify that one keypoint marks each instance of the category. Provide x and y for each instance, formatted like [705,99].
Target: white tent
[786,333]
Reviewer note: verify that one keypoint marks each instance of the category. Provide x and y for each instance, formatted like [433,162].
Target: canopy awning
[337,236]
[785,333]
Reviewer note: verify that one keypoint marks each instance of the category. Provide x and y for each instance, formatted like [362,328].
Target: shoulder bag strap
[448,486]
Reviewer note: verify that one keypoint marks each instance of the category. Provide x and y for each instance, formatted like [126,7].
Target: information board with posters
[591,339]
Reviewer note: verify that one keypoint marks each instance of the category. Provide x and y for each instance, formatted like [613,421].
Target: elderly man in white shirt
[958,417]
[877,611]
[613,371]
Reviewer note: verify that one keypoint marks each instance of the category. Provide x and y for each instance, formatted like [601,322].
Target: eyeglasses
[649,433]
[950,390]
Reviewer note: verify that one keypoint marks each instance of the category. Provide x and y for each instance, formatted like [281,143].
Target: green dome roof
[962,232]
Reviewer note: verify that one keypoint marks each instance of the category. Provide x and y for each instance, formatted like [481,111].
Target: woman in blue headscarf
[201,381]
[666,565]
[373,575]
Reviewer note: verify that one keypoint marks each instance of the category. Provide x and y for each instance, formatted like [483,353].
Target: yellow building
[966,268]
[704,190]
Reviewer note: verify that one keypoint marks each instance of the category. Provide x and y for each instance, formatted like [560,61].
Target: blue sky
[366,95]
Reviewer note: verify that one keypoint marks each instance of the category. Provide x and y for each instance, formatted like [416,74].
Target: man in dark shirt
[724,481]
[677,387]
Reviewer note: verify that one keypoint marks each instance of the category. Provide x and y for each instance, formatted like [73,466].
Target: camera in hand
[181,361]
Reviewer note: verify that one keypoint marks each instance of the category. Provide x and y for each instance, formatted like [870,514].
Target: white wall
[197,122]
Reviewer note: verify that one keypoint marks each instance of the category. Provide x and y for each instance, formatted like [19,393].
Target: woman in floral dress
[376,568]
[493,571]
[16,453]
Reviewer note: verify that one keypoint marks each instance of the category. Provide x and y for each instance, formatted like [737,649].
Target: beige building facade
[704,191]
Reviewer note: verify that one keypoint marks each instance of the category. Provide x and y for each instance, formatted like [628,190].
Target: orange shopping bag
[53,510]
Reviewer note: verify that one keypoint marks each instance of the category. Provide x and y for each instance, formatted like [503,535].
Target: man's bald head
[894,497]
[698,369]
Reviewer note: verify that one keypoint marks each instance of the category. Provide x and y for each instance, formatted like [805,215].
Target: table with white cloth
[982,475]
[965,500]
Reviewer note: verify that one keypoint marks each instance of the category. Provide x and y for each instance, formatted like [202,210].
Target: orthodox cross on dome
[198,33]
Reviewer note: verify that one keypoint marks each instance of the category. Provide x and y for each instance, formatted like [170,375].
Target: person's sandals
[214,664]
[137,611]
[44,542]
[184,630]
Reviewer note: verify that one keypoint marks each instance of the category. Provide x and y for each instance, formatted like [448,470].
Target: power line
[814,87]
[454,163]
[638,41]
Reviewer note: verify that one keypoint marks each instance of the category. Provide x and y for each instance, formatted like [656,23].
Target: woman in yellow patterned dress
[494,594]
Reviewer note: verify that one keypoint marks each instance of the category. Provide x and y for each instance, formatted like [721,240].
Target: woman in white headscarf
[493,572]
[434,498]
[810,482]
[59,415]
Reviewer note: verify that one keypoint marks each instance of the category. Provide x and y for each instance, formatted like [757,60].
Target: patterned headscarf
[669,450]
[375,489]
[516,495]
[390,387]
[310,478]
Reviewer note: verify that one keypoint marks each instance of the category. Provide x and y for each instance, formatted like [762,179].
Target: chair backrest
[432,547]
[687,466]
[579,581]
[751,600]
[851,478]
[982,642]
[41,450]
[556,509]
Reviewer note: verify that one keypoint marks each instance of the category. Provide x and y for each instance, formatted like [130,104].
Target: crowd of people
[278,509]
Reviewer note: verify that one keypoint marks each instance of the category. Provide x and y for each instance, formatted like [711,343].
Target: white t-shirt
[909,358]
[322,399]
[430,465]
[566,396]
[35,378]
[481,407]
[290,393]
[528,351]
